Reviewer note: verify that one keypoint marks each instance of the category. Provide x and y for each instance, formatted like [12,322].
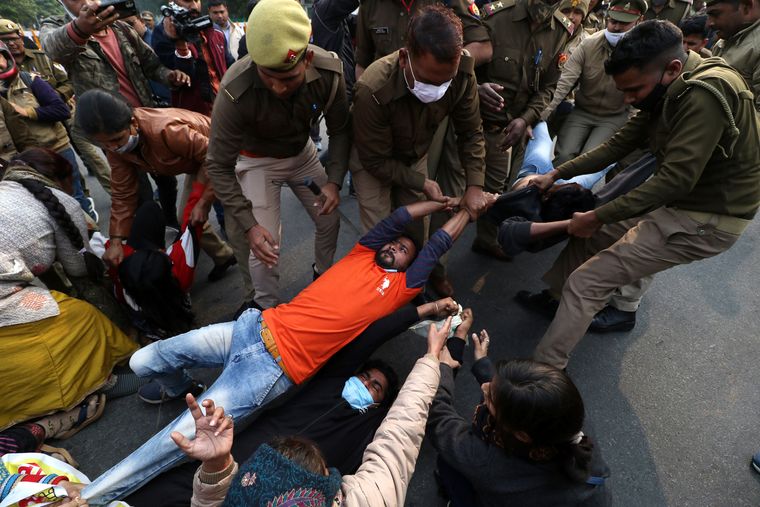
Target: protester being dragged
[98,51]
[525,443]
[43,112]
[201,52]
[294,468]
[266,353]
[340,409]
[56,349]
[162,141]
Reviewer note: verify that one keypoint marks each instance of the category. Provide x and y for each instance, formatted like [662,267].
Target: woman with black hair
[525,444]
[56,349]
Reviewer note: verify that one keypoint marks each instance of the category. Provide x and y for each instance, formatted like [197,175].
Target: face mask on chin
[357,395]
[130,145]
[426,93]
[650,102]
[613,38]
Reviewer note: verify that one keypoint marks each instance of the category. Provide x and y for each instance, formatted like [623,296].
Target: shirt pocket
[506,67]
[383,40]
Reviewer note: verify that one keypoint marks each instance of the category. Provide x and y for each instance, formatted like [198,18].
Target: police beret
[7,26]
[627,11]
[581,5]
[278,33]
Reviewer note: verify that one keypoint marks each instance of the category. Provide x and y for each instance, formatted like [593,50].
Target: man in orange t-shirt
[264,354]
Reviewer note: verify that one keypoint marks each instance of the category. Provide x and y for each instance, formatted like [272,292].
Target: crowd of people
[628,131]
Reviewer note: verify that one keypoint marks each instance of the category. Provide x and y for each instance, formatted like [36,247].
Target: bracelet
[78,30]
[436,307]
[215,477]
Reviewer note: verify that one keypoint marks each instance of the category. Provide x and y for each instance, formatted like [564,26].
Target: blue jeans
[250,379]
[76,180]
[539,155]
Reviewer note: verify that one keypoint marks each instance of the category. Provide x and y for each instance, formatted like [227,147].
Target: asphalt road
[673,403]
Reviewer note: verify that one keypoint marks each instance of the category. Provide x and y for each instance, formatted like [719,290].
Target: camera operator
[203,55]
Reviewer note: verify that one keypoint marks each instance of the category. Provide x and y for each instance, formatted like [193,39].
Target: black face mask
[650,102]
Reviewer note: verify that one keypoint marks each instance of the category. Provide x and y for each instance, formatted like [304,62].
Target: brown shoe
[442,286]
[494,251]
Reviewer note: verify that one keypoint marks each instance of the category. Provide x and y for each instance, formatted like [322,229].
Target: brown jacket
[172,141]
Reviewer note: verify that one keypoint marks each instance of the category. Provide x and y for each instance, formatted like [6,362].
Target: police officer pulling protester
[267,103]
[399,102]
[738,25]
[527,37]
[698,118]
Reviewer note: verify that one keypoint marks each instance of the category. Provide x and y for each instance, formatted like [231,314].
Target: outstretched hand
[213,435]
[437,337]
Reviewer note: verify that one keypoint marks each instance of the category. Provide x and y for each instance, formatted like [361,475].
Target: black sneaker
[542,302]
[154,393]
[755,463]
[610,320]
[218,271]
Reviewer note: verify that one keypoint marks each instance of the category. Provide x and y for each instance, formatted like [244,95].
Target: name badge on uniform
[381,30]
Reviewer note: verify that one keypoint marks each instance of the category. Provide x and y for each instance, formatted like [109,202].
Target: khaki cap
[627,11]
[7,26]
[581,5]
[278,33]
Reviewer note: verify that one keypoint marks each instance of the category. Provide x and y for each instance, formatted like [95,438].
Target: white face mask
[130,145]
[613,38]
[426,93]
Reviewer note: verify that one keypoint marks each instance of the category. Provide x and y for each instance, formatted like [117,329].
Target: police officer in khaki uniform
[738,26]
[38,63]
[516,85]
[14,134]
[699,120]
[594,22]
[674,11]
[267,103]
[399,103]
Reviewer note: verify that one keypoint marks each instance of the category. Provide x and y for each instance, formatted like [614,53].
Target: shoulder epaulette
[326,60]
[566,23]
[492,8]
[466,63]
[244,79]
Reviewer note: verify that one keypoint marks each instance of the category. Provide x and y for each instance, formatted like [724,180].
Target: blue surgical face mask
[356,394]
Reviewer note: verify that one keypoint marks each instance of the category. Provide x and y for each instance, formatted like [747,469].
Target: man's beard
[385,258]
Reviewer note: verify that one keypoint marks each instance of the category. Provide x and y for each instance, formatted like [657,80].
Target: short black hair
[102,112]
[561,204]
[390,376]
[694,25]
[648,43]
[436,30]
[216,3]
[249,7]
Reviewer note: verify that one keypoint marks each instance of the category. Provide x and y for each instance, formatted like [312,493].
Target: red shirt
[110,46]
[334,310]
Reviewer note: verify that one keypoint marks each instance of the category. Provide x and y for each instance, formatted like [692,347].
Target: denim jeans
[250,379]
[76,181]
[538,159]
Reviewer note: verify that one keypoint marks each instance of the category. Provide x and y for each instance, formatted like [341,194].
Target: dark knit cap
[271,479]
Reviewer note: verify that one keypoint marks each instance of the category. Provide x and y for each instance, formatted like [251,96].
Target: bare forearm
[422,209]
[542,230]
[456,224]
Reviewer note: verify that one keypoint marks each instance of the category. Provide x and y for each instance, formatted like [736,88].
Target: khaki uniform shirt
[742,52]
[525,63]
[14,134]
[596,92]
[594,22]
[248,117]
[394,129]
[45,134]
[39,63]
[88,67]
[674,11]
[381,27]
[704,163]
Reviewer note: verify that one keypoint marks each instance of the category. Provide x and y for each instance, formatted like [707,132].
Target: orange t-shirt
[335,309]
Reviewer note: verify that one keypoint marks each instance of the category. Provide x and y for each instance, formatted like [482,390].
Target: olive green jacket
[38,62]
[742,52]
[393,129]
[88,67]
[704,136]
[14,134]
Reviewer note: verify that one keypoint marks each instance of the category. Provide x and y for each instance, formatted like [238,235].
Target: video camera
[187,27]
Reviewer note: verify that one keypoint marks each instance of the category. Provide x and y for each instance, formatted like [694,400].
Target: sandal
[83,421]
[59,453]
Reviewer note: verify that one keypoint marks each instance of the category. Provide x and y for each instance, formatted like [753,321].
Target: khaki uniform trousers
[588,271]
[92,158]
[210,242]
[261,180]
[583,131]
[498,167]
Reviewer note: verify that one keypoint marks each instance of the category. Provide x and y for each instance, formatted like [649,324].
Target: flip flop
[59,453]
[83,421]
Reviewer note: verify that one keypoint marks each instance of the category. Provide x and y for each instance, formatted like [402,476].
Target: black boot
[610,320]
[542,302]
